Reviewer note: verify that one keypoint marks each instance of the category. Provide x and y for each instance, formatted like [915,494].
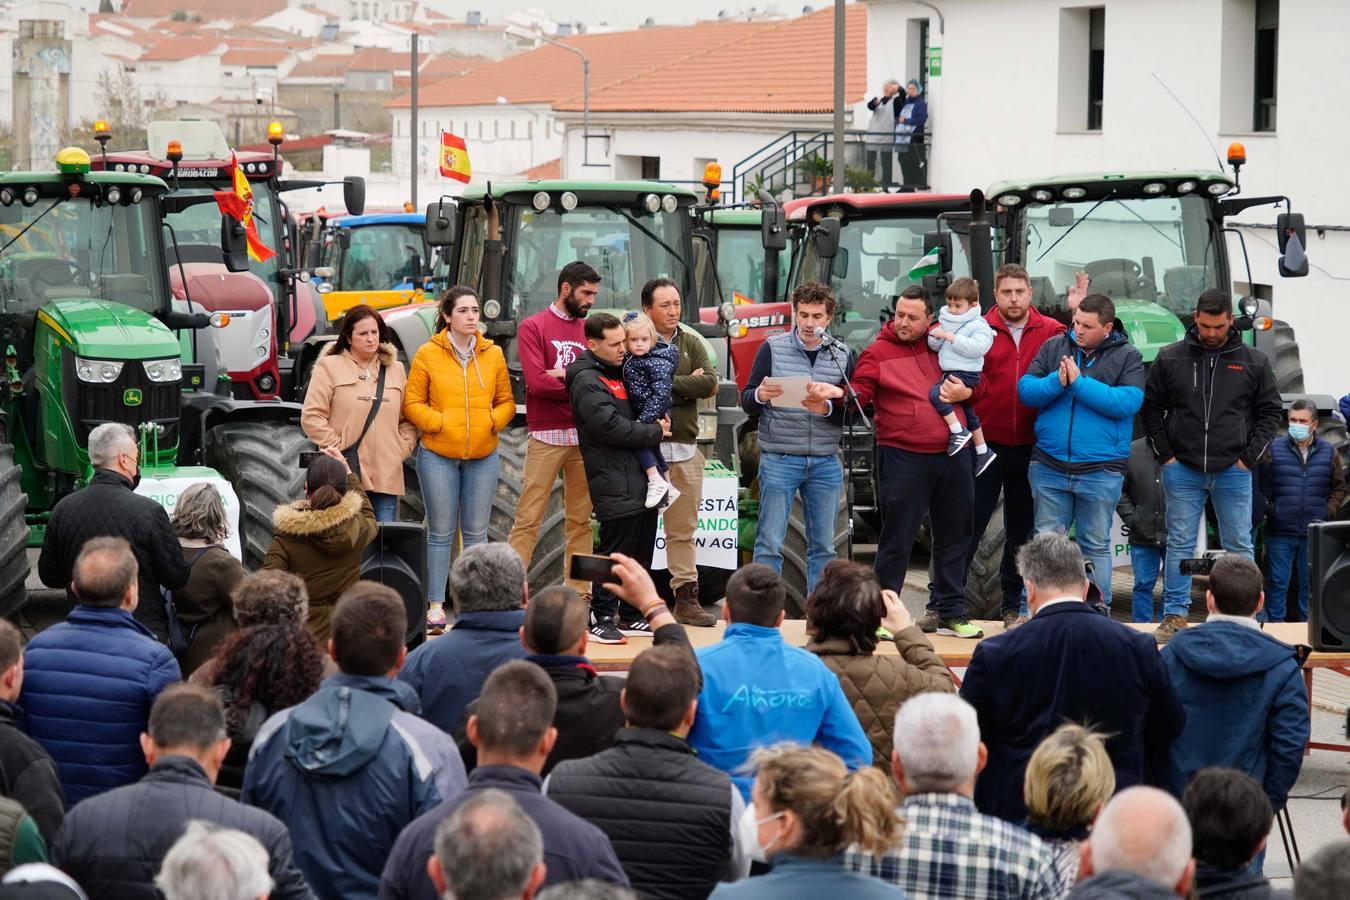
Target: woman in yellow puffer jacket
[459,396]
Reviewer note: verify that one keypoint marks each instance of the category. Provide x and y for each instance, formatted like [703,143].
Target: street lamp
[536,34]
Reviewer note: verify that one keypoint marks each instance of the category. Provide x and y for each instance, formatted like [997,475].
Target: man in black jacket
[1143,509]
[1211,408]
[27,773]
[113,844]
[107,507]
[608,433]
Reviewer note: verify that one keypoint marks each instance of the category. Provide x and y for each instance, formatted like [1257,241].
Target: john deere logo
[131,397]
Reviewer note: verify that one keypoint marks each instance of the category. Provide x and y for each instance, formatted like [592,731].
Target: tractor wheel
[794,553]
[13,535]
[984,592]
[1288,366]
[261,460]
[550,549]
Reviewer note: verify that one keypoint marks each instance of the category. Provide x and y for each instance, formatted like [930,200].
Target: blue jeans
[1286,554]
[1147,561]
[781,477]
[1086,501]
[1187,490]
[386,506]
[458,496]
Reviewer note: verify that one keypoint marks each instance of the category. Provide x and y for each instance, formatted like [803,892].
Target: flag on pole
[929,265]
[238,205]
[454,158]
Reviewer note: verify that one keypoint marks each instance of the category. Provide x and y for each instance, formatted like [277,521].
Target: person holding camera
[321,538]
[354,403]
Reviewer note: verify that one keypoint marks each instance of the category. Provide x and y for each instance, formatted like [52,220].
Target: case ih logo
[760,321]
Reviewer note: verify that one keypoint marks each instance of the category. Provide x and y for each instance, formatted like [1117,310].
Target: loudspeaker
[1329,585]
[397,558]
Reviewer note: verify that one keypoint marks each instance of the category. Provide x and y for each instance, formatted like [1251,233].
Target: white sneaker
[672,493]
[657,489]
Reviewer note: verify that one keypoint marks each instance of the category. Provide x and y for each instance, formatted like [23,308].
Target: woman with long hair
[203,604]
[806,809]
[342,391]
[321,538]
[459,396]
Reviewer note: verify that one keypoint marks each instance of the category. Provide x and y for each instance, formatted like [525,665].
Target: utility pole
[337,110]
[837,185]
[412,158]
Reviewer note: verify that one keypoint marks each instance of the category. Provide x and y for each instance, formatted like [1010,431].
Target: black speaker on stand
[397,558]
[1329,585]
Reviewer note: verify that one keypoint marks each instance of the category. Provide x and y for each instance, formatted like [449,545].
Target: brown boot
[1168,628]
[688,611]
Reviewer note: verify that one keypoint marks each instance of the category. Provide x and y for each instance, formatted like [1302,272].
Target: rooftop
[239,10]
[177,49]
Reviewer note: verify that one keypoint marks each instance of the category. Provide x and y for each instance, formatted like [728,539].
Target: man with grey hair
[1325,874]
[1068,664]
[214,864]
[488,587]
[1140,847]
[108,507]
[488,849]
[880,138]
[948,849]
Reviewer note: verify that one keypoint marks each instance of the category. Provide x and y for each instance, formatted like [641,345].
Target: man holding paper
[798,430]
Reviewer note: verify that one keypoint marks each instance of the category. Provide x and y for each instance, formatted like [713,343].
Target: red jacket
[1005,419]
[548,341]
[895,378]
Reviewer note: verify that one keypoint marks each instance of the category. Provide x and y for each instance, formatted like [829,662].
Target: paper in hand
[794,391]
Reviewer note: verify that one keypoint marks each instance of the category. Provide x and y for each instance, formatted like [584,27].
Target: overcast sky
[633,12]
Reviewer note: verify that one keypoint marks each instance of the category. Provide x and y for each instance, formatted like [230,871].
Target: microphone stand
[850,395]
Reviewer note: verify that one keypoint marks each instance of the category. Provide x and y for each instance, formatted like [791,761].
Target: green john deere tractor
[92,335]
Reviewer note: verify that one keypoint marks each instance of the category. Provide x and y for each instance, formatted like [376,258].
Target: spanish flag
[454,158]
[238,205]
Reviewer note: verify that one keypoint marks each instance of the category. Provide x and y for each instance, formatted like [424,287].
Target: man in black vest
[671,818]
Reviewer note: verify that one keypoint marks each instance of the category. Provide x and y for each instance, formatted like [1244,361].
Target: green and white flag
[929,265]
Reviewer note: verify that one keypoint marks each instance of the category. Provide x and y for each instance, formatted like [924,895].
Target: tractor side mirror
[773,228]
[825,236]
[941,241]
[1293,235]
[233,245]
[354,194]
[440,227]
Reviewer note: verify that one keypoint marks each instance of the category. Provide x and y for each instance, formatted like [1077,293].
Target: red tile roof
[236,56]
[177,49]
[548,171]
[239,10]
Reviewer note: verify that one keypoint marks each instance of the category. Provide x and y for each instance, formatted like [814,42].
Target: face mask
[749,834]
[1299,431]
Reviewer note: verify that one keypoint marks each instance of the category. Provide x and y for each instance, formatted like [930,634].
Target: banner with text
[715,538]
[165,491]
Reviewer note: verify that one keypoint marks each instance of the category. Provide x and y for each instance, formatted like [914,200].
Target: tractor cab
[379,259]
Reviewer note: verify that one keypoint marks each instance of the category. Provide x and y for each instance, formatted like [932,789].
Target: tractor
[92,334]
[377,259]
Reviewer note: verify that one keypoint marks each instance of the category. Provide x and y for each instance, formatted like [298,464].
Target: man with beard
[548,342]
[1211,408]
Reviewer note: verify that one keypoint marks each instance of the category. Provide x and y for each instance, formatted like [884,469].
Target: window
[1249,70]
[1096,66]
[1082,68]
[651,168]
[1267,57]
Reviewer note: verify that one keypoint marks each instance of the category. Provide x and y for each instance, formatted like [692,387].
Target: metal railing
[802,163]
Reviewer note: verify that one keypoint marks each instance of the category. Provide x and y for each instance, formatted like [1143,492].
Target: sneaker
[657,489]
[637,628]
[436,619]
[957,441]
[1168,629]
[983,461]
[1012,619]
[604,632]
[672,493]
[928,622]
[960,628]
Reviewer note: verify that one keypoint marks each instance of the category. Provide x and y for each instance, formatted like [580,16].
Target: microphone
[825,337]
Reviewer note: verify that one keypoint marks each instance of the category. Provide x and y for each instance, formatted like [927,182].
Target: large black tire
[1288,366]
[984,592]
[262,462]
[13,535]
[550,549]
[794,553]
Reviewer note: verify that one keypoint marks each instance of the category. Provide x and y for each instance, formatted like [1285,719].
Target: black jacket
[1143,503]
[1233,884]
[1119,884]
[668,815]
[1069,664]
[107,507]
[28,775]
[608,432]
[1211,410]
[113,844]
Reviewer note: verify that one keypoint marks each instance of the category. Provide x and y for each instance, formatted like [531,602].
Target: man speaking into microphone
[799,436]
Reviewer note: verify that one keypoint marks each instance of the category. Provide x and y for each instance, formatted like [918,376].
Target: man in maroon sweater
[1009,425]
[548,342]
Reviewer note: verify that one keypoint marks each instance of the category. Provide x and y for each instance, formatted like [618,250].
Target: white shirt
[1057,600]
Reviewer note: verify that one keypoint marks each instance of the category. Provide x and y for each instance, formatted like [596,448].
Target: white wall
[995,108]
[502,140]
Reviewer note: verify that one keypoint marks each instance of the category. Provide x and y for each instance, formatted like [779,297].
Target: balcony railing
[801,164]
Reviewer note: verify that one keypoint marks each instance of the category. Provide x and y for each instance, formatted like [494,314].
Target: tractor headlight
[492,309]
[97,371]
[162,370]
[114,195]
[669,203]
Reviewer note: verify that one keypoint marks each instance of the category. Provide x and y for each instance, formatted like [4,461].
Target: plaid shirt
[952,852]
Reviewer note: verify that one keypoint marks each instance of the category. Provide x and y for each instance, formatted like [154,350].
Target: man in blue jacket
[90,681]
[350,767]
[758,690]
[1246,703]
[1087,383]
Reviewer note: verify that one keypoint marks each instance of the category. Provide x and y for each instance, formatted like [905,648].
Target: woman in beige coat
[337,404]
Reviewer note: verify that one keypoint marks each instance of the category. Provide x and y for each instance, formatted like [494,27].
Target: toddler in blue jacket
[649,378]
[961,339]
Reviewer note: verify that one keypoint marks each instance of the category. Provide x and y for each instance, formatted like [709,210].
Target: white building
[1039,87]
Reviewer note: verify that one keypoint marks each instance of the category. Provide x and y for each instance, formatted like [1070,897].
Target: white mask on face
[748,829]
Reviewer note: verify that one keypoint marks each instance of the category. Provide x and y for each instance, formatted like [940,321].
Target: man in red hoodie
[548,342]
[1009,425]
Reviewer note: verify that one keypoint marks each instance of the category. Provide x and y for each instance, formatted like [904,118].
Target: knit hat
[270,597]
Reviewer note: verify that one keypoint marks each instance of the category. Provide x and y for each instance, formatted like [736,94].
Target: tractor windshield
[61,248]
[1151,249]
[197,227]
[377,257]
[626,247]
[740,265]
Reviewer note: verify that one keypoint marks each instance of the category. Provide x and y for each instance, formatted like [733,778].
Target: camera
[1200,565]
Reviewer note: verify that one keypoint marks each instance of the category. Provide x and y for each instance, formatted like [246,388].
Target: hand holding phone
[595,569]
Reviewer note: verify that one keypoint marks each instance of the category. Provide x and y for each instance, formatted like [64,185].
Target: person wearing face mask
[107,506]
[340,407]
[459,395]
[1302,481]
[807,809]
